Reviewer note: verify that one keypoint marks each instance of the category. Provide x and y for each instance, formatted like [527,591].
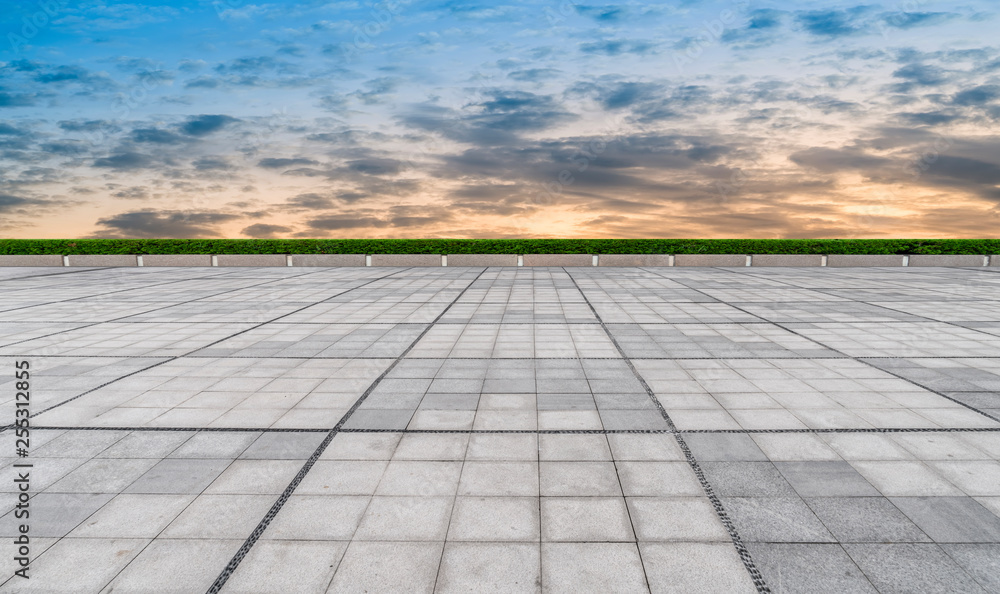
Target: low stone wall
[511,260]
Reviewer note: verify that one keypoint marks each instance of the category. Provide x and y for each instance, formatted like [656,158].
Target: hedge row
[499,246]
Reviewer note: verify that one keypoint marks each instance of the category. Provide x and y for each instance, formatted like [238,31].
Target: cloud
[10,203]
[133,193]
[16,99]
[265,231]
[126,161]
[156,136]
[617,47]
[153,224]
[836,160]
[977,95]
[832,23]
[375,166]
[206,124]
[281,163]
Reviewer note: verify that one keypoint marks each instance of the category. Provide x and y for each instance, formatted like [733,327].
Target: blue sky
[737,118]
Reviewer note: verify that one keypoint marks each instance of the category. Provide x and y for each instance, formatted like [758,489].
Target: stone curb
[786,260]
[176,260]
[251,260]
[31,260]
[406,260]
[482,259]
[558,260]
[728,260]
[635,260]
[101,260]
[852,261]
[505,260]
[328,259]
[952,260]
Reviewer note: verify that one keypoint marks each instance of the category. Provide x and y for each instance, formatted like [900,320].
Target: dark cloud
[281,163]
[133,193]
[211,164]
[8,130]
[348,221]
[617,47]
[533,74]
[375,166]
[16,99]
[762,28]
[836,160]
[929,118]
[10,203]
[603,14]
[206,124]
[499,119]
[156,136]
[152,224]
[126,161]
[921,75]
[977,95]
[832,23]
[265,231]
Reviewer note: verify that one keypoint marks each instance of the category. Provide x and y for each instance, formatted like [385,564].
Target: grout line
[863,361]
[251,540]
[174,358]
[720,510]
[533,431]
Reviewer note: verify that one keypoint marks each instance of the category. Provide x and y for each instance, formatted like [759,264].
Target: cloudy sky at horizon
[692,118]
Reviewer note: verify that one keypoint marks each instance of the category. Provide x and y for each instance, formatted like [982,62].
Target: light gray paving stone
[77,565]
[694,567]
[188,565]
[271,566]
[505,519]
[592,566]
[603,519]
[489,567]
[318,517]
[133,516]
[685,519]
[388,567]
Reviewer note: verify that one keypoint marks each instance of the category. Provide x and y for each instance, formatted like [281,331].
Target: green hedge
[500,246]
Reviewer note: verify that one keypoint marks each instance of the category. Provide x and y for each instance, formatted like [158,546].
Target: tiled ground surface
[507,430]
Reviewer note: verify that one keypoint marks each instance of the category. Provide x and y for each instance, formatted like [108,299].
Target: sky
[547,118]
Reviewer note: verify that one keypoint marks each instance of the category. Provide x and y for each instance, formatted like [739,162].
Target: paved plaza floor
[504,429]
